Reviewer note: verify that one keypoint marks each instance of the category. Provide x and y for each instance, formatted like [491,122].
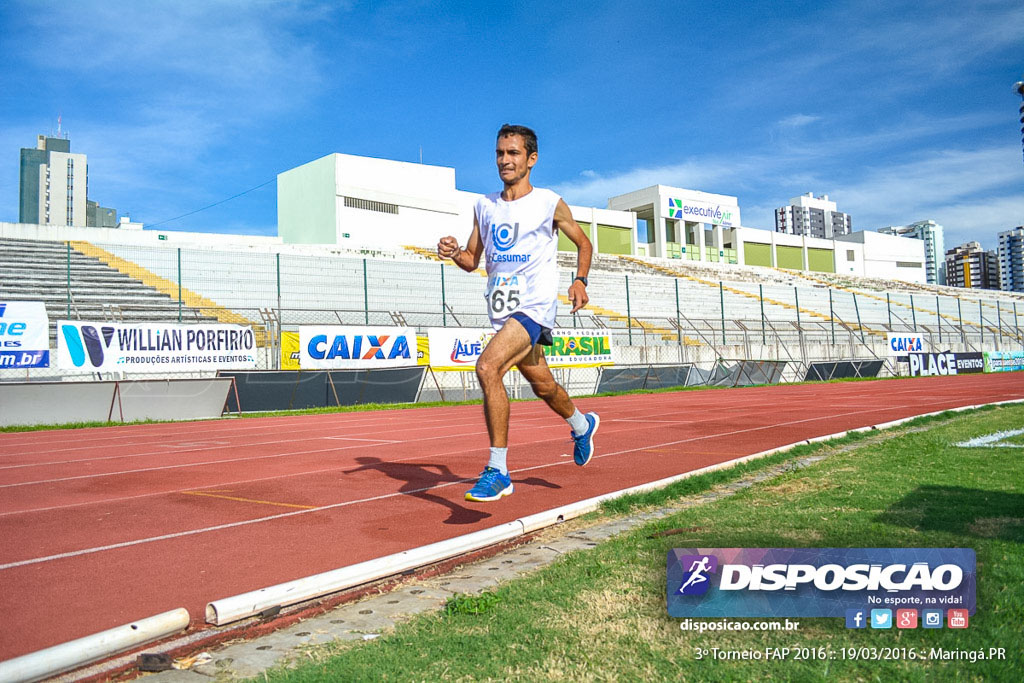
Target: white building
[812,216]
[1011,260]
[365,202]
[53,184]
[682,223]
[934,246]
[873,254]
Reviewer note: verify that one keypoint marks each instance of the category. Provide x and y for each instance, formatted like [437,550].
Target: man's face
[513,162]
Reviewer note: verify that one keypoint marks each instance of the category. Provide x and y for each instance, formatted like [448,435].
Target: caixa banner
[333,346]
[927,364]
[817,582]
[154,347]
[24,335]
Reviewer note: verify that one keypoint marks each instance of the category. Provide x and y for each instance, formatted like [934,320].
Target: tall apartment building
[1011,260]
[54,187]
[812,216]
[934,246]
[972,267]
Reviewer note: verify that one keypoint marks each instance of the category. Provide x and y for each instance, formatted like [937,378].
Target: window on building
[367,205]
[850,255]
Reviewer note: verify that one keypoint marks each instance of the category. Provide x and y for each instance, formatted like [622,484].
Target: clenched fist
[448,247]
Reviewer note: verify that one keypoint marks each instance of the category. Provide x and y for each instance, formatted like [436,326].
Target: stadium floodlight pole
[721,299]
[859,325]
[888,309]
[366,296]
[179,284]
[981,322]
[1016,326]
[629,314]
[831,316]
[960,314]
[999,322]
[760,293]
[913,312]
[277,359]
[679,321]
[69,280]
[938,317]
[444,303]
[1018,88]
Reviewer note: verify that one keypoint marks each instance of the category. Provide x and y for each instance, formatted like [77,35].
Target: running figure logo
[696,580]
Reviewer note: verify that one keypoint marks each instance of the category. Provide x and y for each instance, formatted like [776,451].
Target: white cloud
[798,121]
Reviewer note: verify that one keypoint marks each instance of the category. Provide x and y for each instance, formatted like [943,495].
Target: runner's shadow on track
[418,480]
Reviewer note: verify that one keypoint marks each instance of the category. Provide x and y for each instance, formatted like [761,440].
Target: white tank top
[520,252]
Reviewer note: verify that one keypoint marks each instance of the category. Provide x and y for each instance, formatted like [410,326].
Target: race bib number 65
[504,295]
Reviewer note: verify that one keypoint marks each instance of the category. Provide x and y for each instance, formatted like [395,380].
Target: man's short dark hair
[529,137]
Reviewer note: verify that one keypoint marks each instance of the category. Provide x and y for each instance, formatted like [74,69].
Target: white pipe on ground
[73,654]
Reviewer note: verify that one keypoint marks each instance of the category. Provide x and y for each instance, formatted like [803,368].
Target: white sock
[497,461]
[578,423]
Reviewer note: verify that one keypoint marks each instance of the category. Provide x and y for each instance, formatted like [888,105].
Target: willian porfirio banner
[24,335]
[817,582]
[453,348]
[154,347]
[324,347]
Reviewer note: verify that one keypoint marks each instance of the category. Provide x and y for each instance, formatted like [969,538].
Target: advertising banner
[819,582]
[291,354]
[154,347]
[457,348]
[1004,361]
[927,364]
[902,343]
[453,348]
[324,347]
[24,335]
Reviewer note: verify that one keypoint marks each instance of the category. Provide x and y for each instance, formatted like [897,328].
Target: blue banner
[816,582]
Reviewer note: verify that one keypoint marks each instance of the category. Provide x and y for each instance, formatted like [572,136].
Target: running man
[516,230]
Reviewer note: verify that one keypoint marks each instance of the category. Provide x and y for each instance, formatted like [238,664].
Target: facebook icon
[856,618]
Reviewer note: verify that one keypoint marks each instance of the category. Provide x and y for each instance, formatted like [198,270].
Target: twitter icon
[881,618]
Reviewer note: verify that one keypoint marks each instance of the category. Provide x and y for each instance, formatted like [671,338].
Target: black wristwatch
[581,279]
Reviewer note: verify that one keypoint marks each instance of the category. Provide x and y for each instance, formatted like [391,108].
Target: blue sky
[899,111]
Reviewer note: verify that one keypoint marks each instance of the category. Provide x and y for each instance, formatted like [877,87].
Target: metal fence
[652,318]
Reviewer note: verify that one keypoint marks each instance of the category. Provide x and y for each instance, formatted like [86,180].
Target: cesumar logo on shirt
[504,236]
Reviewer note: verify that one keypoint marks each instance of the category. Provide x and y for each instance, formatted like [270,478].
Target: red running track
[105,526]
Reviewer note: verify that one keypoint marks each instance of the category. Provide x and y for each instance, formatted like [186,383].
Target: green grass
[600,614]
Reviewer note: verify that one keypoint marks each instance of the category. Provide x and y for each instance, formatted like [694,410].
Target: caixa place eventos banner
[816,582]
[24,335]
[154,347]
[326,347]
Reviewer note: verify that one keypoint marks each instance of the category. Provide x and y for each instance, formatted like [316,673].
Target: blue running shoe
[493,485]
[584,448]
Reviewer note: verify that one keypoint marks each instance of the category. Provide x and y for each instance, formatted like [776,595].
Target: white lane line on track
[249,445]
[192,532]
[364,430]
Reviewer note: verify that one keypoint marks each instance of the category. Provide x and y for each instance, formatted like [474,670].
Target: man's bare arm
[584,252]
[469,258]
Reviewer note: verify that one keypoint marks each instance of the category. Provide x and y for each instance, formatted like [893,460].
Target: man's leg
[536,371]
[507,348]
[503,351]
